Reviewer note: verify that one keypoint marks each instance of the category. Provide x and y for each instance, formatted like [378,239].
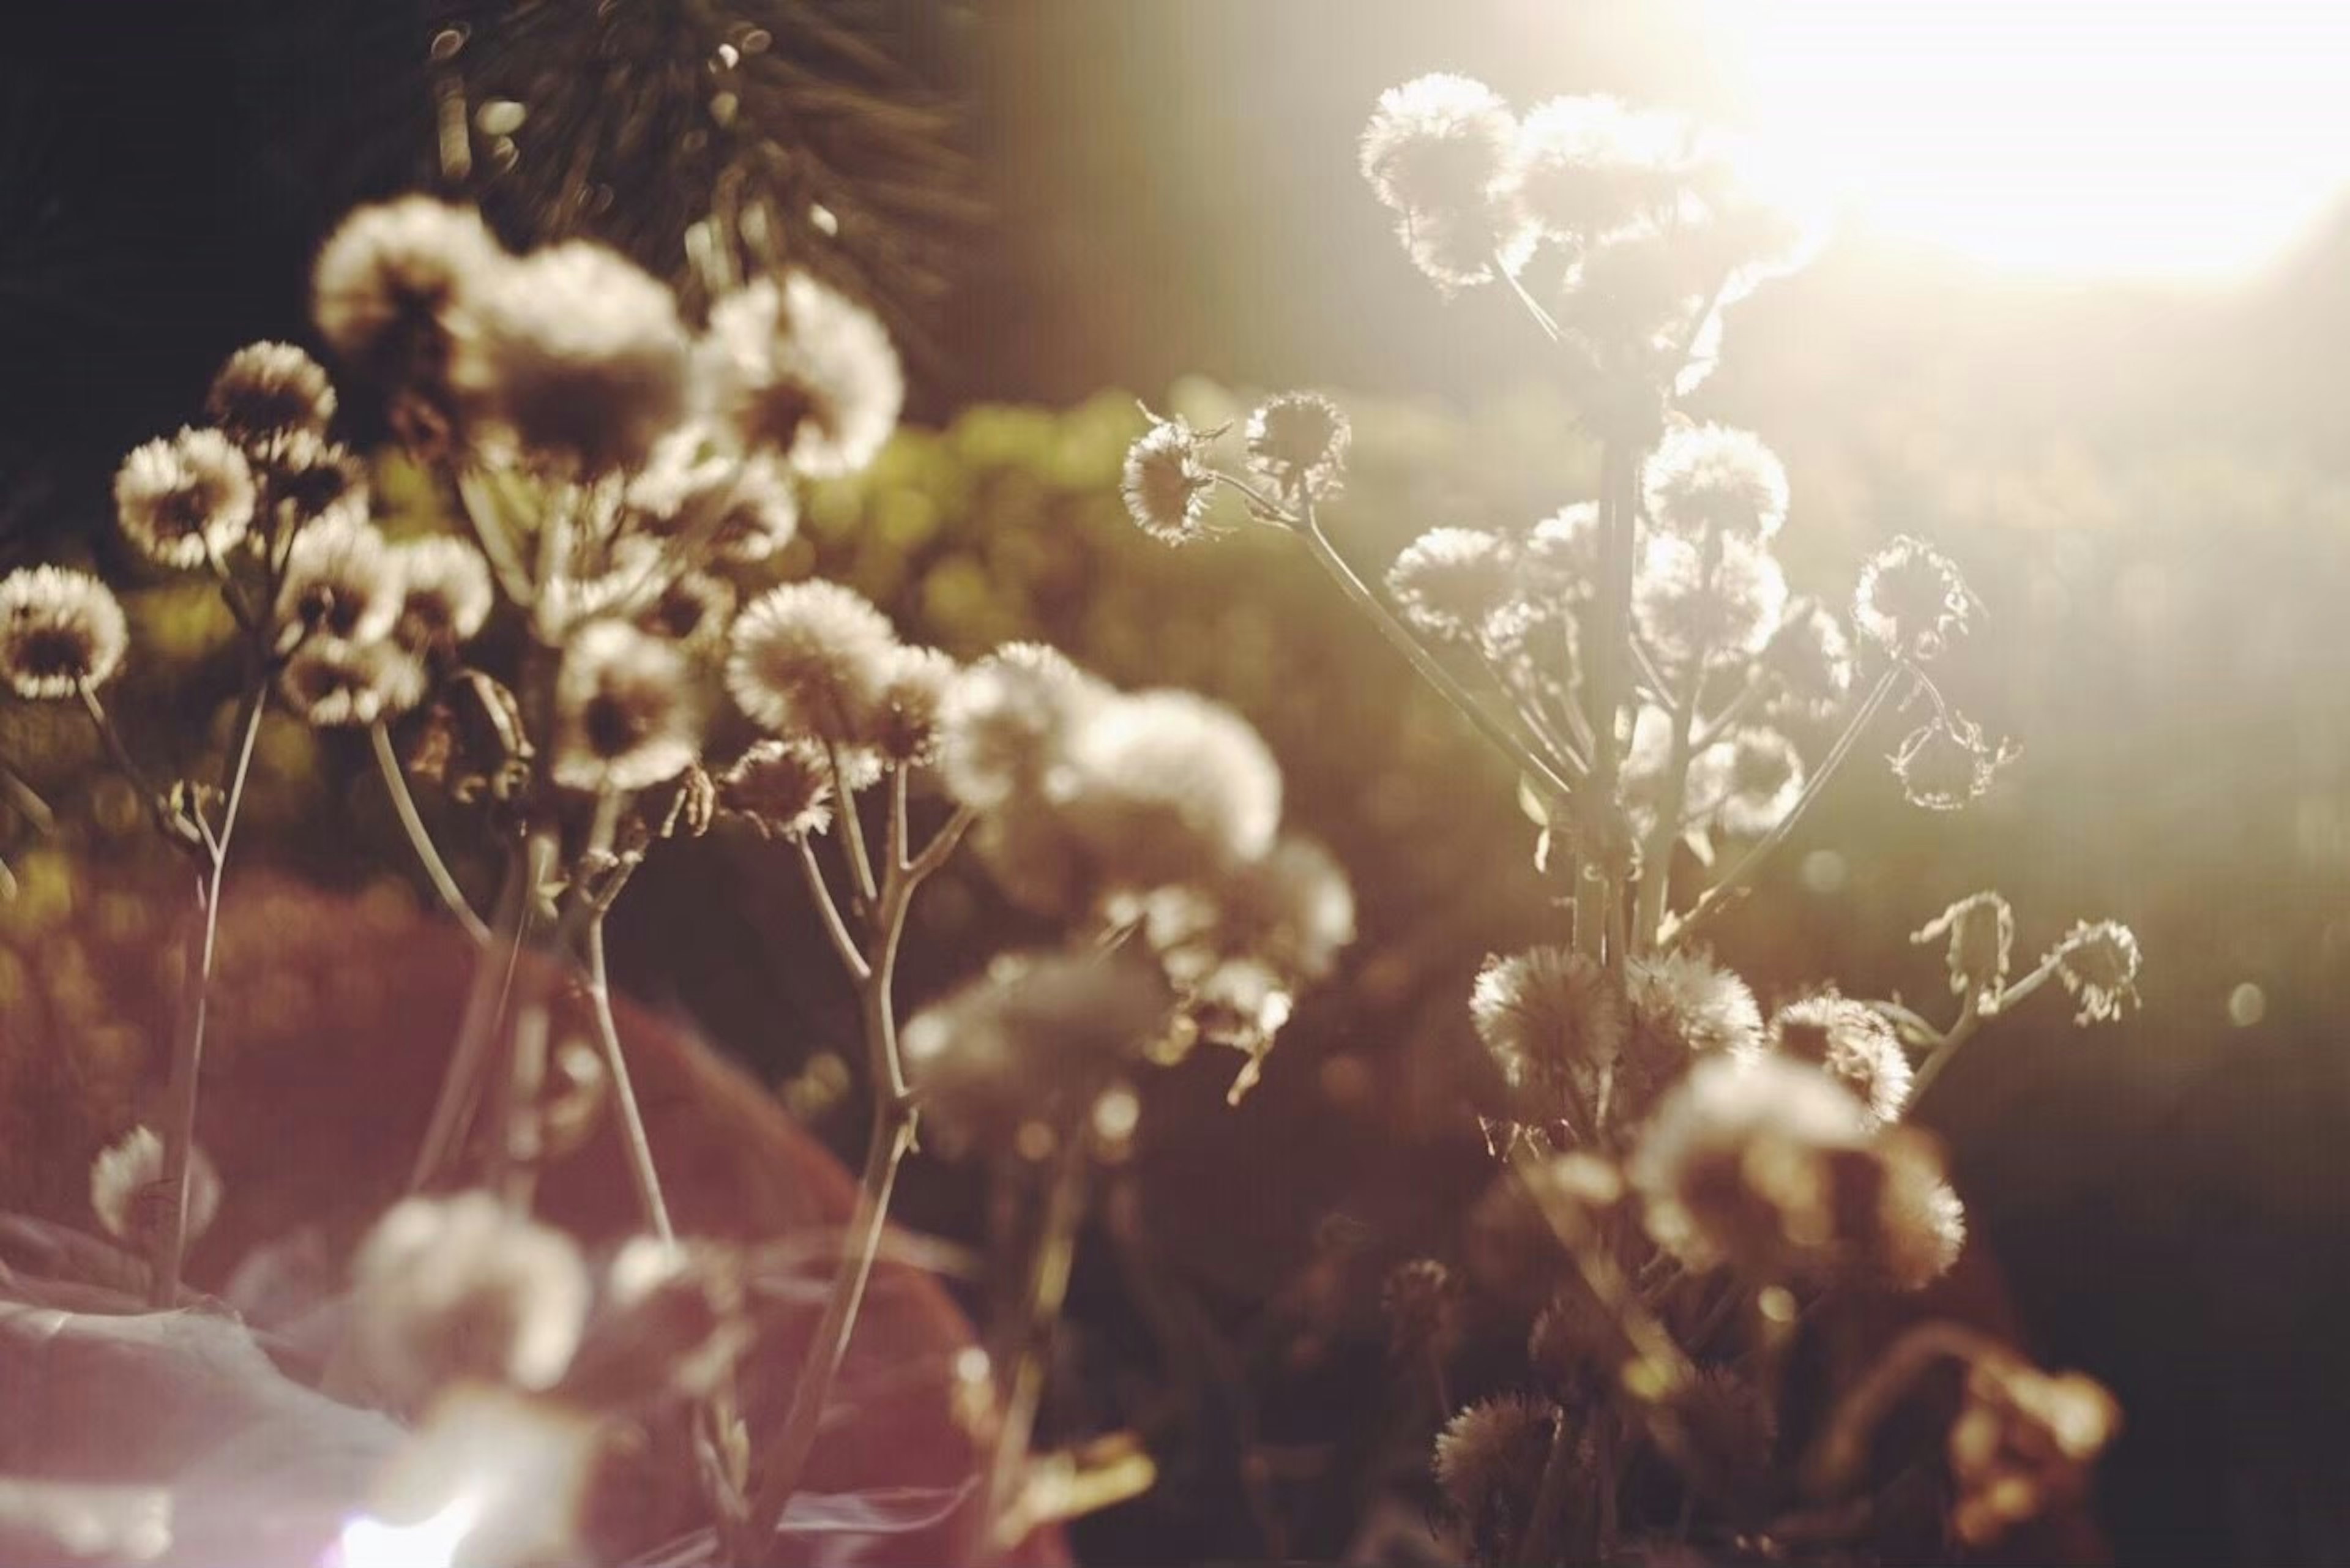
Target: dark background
[2148,487]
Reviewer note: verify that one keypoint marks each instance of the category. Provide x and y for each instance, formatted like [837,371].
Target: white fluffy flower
[270,389]
[811,659]
[395,278]
[1006,720]
[1585,166]
[1167,482]
[59,630]
[1437,150]
[1706,479]
[1763,777]
[186,499]
[1718,601]
[128,1195]
[342,580]
[626,712]
[1552,1022]
[806,371]
[447,1290]
[580,353]
[1167,786]
[744,509]
[1852,1044]
[445,593]
[1297,443]
[1911,600]
[1459,584]
[336,683]
[1812,657]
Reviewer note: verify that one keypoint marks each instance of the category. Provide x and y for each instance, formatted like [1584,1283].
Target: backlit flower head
[1718,601]
[394,279]
[336,683]
[1980,929]
[1732,1164]
[811,659]
[1583,167]
[2098,963]
[1911,600]
[1812,659]
[2022,1446]
[1490,1460]
[128,1195]
[1851,1043]
[302,476]
[1437,151]
[59,630]
[627,714]
[1707,479]
[1552,1022]
[1946,762]
[915,685]
[1459,584]
[342,580]
[1637,305]
[1680,1008]
[447,1290]
[1167,482]
[1761,780]
[580,353]
[1007,720]
[1560,557]
[692,609]
[1167,786]
[185,499]
[270,389]
[805,371]
[1438,141]
[1297,443]
[445,593]
[1293,910]
[1034,1039]
[783,788]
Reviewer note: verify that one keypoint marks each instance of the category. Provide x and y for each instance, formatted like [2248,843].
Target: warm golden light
[2078,136]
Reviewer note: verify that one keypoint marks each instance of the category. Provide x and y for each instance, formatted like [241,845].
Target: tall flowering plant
[599,659]
[1691,1180]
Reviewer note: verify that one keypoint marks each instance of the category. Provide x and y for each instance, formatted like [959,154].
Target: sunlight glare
[2070,136]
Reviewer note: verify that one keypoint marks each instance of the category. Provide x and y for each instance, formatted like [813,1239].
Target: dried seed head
[1167,482]
[335,684]
[906,717]
[1586,167]
[270,389]
[2098,964]
[1981,931]
[1718,601]
[1297,445]
[1489,1465]
[1552,1022]
[445,593]
[60,631]
[1852,1042]
[1165,787]
[783,788]
[1705,478]
[803,371]
[1680,1008]
[811,659]
[1911,600]
[577,352]
[1947,764]
[1008,718]
[1458,585]
[395,279]
[627,715]
[184,500]
[1812,659]
[1437,150]
[1761,780]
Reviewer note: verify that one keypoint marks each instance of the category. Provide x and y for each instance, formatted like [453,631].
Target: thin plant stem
[1544,770]
[188,1053]
[1736,880]
[428,854]
[1538,1545]
[27,801]
[1594,879]
[638,1148]
[1048,1288]
[485,999]
[1656,873]
[872,970]
[852,832]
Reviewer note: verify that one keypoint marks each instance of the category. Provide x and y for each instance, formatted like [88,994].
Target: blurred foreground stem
[1048,1289]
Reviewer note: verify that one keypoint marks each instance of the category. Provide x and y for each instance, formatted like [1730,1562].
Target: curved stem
[852,833]
[1048,1288]
[188,1051]
[486,1000]
[1735,881]
[633,1142]
[1836,1459]
[1541,768]
[428,856]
